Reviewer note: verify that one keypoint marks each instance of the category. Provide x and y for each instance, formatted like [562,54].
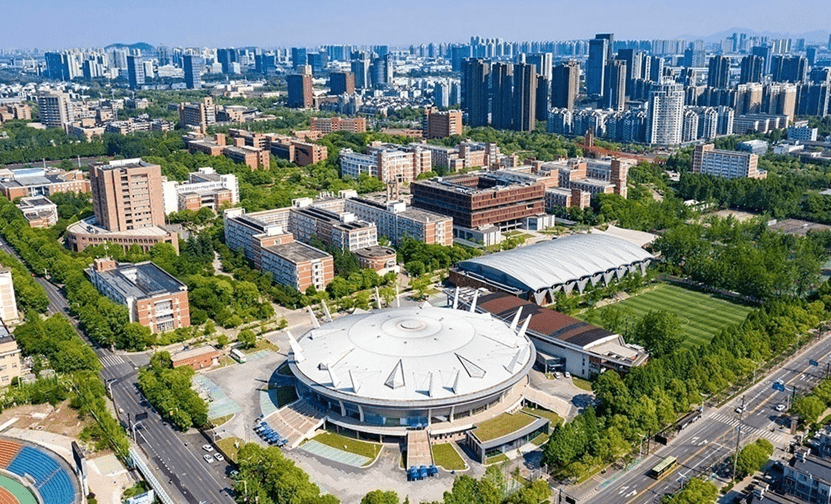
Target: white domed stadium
[410,367]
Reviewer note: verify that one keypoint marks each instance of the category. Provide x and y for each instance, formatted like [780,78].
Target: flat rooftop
[118,164]
[141,280]
[297,252]
[544,320]
[34,201]
[90,226]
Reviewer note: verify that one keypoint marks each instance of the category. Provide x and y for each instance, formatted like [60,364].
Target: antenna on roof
[326,310]
[456,298]
[315,323]
[296,349]
[516,319]
[377,298]
[473,303]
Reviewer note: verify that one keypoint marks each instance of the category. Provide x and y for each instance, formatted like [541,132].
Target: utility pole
[738,439]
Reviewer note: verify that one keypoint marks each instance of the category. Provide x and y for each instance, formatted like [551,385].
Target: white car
[219,457]
[567,374]
[207,448]
[739,410]
[780,408]
[556,374]
[208,458]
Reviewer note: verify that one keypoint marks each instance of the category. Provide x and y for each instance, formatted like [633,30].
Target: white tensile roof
[543,265]
[413,354]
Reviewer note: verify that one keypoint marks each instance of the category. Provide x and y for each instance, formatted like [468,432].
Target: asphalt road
[176,457]
[707,443]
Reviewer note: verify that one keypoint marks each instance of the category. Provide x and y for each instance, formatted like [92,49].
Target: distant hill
[142,46]
[816,36]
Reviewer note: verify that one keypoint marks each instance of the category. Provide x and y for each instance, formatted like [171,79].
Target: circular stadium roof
[558,261]
[418,355]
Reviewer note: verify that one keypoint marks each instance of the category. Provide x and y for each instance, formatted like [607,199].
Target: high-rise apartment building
[596,66]
[501,86]
[127,194]
[341,83]
[665,117]
[54,108]
[8,303]
[753,68]
[475,79]
[543,62]
[135,71]
[565,85]
[718,75]
[300,93]
[788,68]
[634,66]
[614,89]
[192,65]
[360,67]
[227,57]
[543,98]
[298,56]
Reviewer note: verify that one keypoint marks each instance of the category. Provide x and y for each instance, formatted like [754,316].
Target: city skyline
[160,22]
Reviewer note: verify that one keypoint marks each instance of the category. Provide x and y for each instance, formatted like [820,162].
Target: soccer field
[702,315]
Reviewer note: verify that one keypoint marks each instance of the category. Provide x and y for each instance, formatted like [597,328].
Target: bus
[663,467]
[237,355]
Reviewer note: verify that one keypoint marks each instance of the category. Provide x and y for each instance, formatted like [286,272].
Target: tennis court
[327,452]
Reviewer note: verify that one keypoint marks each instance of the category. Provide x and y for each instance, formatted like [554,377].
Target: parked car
[567,375]
[208,458]
[780,408]
[219,457]
[207,448]
[556,374]
[234,474]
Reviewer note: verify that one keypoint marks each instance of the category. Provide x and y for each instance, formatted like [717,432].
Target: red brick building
[475,201]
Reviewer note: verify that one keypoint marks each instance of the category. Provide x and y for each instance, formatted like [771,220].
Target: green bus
[663,467]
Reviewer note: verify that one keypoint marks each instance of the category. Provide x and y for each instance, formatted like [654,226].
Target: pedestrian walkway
[773,437]
[112,360]
[329,453]
[220,405]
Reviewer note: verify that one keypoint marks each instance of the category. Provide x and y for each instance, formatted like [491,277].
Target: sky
[58,24]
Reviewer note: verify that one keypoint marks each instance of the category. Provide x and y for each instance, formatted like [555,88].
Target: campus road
[176,457]
[709,441]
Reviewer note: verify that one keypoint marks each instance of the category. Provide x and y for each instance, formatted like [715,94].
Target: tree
[381,497]
[753,457]
[695,491]
[660,332]
[247,338]
[809,408]
[221,341]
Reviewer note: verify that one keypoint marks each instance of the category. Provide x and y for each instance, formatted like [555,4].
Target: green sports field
[20,492]
[702,315]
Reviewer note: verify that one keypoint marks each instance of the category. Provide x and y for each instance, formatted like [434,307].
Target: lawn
[262,344]
[702,315]
[335,440]
[502,425]
[228,447]
[581,383]
[446,456]
[497,458]
[285,395]
[553,417]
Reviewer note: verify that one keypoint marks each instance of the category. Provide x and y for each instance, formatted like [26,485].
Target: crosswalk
[112,360]
[732,421]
